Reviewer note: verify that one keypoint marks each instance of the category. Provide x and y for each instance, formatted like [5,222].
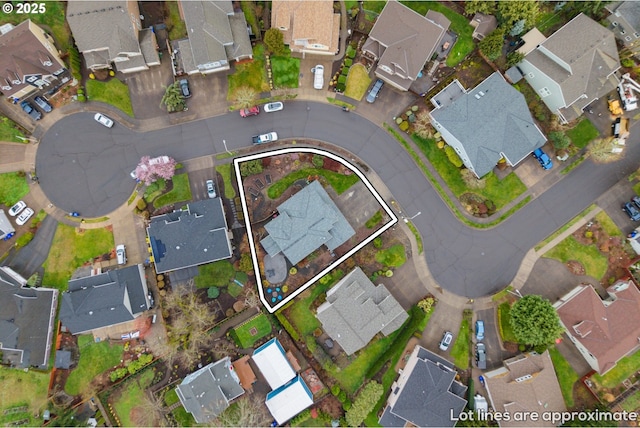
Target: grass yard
[170,397]
[254,329]
[285,71]
[234,289]
[112,92]
[181,192]
[504,318]
[154,190]
[13,186]
[9,130]
[566,376]
[623,369]
[225,171]
[501,192]
[251,74]
[71,248]
[632,403]
[607,224]
[357,82]
[339,182]
[21,388]
[460,349]
[548,21]
[130,397]
[583,133]
[95,358]
[393,256]
[216,274]
[594,262]
[373,5]
[176,26]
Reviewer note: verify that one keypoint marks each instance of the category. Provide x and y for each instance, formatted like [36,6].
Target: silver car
[446,340]
[103,120]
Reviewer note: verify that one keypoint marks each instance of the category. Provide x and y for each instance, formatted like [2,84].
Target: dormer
[583,328]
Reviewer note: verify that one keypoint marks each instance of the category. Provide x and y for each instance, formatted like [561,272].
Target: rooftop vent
[523,378]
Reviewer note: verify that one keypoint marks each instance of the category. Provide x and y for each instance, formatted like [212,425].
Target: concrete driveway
[445,317]
[146,89]
[495,352]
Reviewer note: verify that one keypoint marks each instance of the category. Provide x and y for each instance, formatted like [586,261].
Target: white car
[318,76]
[211,190]
[24,217]
[275,106]
[265,138]
[121,254]
[104,120]
[15,210]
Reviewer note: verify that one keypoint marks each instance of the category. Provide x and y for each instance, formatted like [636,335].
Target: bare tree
[247,411]
[422,126]
[251,298]
[603,150]
[244,97]
[149,412]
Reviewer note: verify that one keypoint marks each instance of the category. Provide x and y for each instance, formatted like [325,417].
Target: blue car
[543,158]
[479,330]
[631,211]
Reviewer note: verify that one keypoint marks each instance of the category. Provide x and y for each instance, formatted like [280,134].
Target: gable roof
[629,10]
[490,120]
[26,320]
[483,25]
[356,310]
[289,400]
[403,41]
[207,392]
[189,237]
[425,394]
[526,383]
[609,329]
[312,21]
[273,364]
[305,222]
[109,298]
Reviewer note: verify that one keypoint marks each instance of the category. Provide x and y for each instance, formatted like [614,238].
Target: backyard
[95,358]
[112,92]
[129,397]
[13,186]
[249,332]
[339,182]
[23,395]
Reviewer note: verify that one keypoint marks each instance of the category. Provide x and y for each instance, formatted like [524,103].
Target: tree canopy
[510,12]
[172,98]
[487,7]
[535,321]
[274,39]
[491,46]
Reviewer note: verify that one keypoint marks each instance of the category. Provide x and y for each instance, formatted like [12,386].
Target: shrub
[340,87]
[364,403]
[318,161]
[404,125]
[348,62]
[377,242]
[559,139]
[344,71]
[342,396]
[627,63]
[342,79]
[141,204]
[213,292]
[453,156]
[335,390]
[351,52]
[245,264]
[346,405]
[311,343]
[24,240]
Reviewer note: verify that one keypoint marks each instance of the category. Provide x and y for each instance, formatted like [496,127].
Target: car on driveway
[318,76]
[211,190]
[542,158]
[17,208]
[375,91]
[24,217]
[104,120]
[31,110]
[43,104]
[121,254]
[479,330]
[636,201]
[631,211]
[251,111]
[446,340]
[271,107]
[481,356]
[184,88]
[269,137]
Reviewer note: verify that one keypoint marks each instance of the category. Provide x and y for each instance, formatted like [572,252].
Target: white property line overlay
[254,256]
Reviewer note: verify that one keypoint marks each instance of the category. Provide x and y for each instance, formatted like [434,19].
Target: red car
[252,111]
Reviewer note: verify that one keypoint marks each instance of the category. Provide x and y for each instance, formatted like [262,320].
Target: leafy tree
[251,167]
[173,99]
[535,321]
[471,7]
[148,171]
[591,8]
[274,40]
[510,12]
[246,263]
[559,140]
[364,403]
[514,58]
[491,46]
[517,28]
[244,97]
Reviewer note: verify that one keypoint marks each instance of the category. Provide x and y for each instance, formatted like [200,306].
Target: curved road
[85,167]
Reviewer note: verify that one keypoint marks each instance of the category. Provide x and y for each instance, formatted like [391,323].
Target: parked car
[636,201]
[269,137]
[318,76]
[375,91]
[479,330]
[211,190]
[184,88]
[542,158]
[31,110]
[446,340]
[15,209]
[104,120]
[275,106]
[481,356]
[251,111]
[43,104]
[24,217]
[631,211]
[121,254]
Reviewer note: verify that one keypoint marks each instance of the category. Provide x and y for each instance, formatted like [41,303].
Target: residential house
[208,391]
[217,34]
[307,26]
[29,60]
[356,310]
[483,25]
[6,228]
[526,384]
[27,317]
[402,41]
[485,124]
[305,222]
[191,236]
[108,299]
[573,67]
[606,330]
[109,35]
[624,21]
[426,394]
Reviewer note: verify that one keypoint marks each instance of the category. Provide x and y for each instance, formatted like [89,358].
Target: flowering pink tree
[151,169]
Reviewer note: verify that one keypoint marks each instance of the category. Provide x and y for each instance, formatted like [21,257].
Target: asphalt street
[85,167]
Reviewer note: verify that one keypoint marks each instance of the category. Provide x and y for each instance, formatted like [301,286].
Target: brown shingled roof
[313,21]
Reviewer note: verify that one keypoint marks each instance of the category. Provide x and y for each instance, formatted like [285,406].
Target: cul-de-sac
[250,213]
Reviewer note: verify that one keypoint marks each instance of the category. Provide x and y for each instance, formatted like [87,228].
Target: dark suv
[631,211]
[375,91]
[31,110]
[43,104]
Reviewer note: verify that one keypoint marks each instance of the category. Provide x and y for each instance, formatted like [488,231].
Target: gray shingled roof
[148,43]
[494,123]
[207,392]
[5,225]
[306,221]
[356,310]
[630,10]
[189,237]
[110,298]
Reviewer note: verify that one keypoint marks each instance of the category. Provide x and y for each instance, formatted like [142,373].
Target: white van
[318,76]
[121,254]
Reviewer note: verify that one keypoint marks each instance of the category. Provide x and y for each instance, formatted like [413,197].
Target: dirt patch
[575,267]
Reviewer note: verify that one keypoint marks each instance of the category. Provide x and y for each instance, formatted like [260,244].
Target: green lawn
[632,403]
[566,376]
[357,82]
[501,192]
[394,256]
[154,190]
[251,74]
[225,172]
[504,317]
[9,130]
[181,192]
[71,248]
[53,19]
[234,289]
[607,224]
[130,397]
[13,186]
[170,397]
[623,369]
[112,92]
[216,274]
[248,333]
[176,26]
[285,71]
[21,388]
[339,182]
[582,133]
[460,349]
[95,358]
[373,5]
[589,256]
[459,25]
